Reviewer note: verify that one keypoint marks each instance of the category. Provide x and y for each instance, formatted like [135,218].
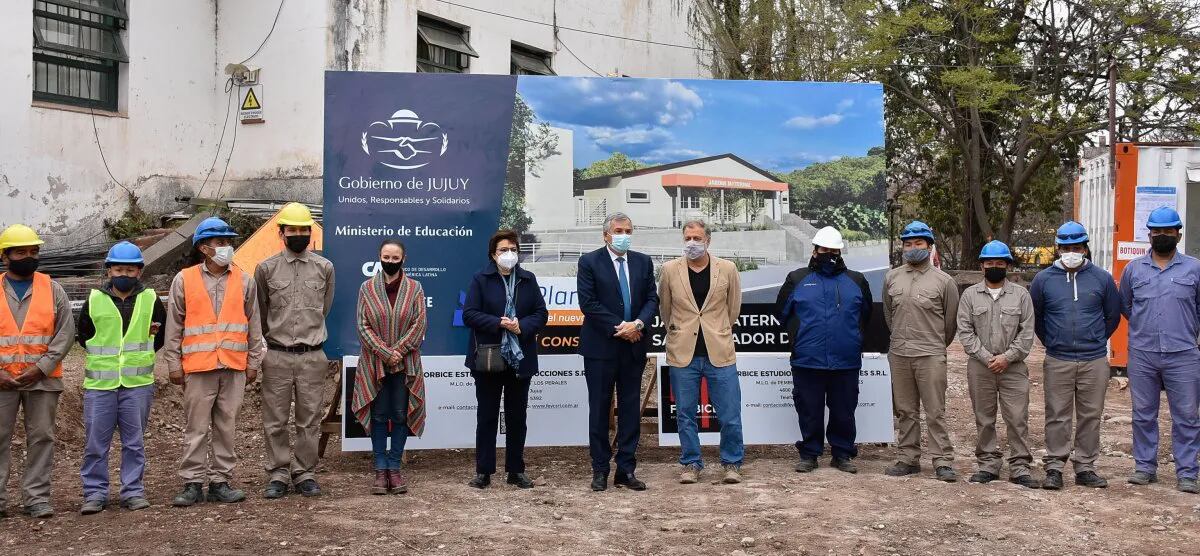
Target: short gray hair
[616,217]
[697,223]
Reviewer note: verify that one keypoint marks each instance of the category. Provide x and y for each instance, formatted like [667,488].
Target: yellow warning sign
[251,102]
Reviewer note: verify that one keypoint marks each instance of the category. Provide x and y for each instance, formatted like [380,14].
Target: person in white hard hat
[826,308]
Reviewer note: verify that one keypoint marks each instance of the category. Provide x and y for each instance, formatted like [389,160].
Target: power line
[221,140]
[577,58]
[269,33]
[232,147]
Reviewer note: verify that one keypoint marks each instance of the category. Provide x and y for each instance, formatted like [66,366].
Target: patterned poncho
[385,329]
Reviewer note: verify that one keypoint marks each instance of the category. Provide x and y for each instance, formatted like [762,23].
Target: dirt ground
[776,511]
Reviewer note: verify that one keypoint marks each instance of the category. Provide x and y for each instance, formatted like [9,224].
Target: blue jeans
[104,412]
[724,393]
[390,406]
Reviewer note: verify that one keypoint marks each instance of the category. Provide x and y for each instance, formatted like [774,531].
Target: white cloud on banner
[813,122]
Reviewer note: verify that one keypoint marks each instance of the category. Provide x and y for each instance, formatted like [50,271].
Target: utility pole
[1112,122]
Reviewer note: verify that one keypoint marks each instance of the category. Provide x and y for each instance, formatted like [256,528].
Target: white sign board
[1130,250]
[1148,198]
[769,413]
[558,405]
[250,108]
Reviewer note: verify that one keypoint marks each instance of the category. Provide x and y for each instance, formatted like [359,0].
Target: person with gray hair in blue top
[1076,308]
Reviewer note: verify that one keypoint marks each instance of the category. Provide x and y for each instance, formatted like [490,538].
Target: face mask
[995,275]
[1163,244]
[620,242]
[222,256]
[391,268]
[1071,260]
[694,249]
[916,256]
[297,244]
[23,267]
[506,260]
[124,283]
[827,263]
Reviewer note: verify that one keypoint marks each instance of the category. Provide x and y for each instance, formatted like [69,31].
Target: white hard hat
[829,238]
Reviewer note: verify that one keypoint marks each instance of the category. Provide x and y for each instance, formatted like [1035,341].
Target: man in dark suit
[618,297]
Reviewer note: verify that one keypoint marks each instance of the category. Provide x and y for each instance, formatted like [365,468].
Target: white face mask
[223,256]
[507,260]
[694,249]
[1071,260]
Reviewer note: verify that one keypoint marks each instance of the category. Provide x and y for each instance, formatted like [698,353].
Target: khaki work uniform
[39,399]
[989,327]
[211,399]
[919,304]
[295,293]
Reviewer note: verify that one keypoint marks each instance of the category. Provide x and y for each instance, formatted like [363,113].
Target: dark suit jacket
[602,306]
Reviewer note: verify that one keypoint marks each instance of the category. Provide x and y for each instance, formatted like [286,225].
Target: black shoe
[844,465]
[1054,480]
[275,489]
[946,474]
[1187,485]
[41,510]
[93,506]
[520,479]
[1142,478]
[481,481]
[1026,481]
[900,469]
[222,492]
[309,488]
[629,481]
[983,477]
[193,493]
[599,481]
[806,465]
[1090,479]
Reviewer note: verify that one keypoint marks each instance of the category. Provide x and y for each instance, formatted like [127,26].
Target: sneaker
[309,488]
[1054,480]
[690,475]
[521,480]
[1188,485]
[1026,481]
[222,492]
[844,465]
[806,465]
[1090,479]
[982,477]
[193,493]
[93,506]
[733,474]
[900,469]
[275,489]
[1142,478]
[41,510]
[135,503]
[946,474]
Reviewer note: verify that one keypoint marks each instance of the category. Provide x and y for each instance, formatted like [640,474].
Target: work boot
[1142,478]
[844,465]
[599,481]
[806,465]
[1188,485]
[396,482]
[308,488]
[1090,479]
[982,477]
[733,474]
[481,481]
[41,510]
[222,492]
[1026,481]
[381,482]
[135,503]
[521,480]
[193,493]
[900,469]
[275,489]
[690,475]
[946,474]
[1054,480]
[93,506]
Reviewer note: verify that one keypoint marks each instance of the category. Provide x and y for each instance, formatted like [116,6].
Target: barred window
[78,52]
[442,47]
[529,61]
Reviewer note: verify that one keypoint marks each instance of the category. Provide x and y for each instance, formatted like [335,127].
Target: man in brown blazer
[699,299]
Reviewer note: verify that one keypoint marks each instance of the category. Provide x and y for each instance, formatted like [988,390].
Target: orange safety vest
[213,342]
[20,348]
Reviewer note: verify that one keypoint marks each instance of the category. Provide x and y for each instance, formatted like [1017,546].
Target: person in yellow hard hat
[295,293]
[36,331]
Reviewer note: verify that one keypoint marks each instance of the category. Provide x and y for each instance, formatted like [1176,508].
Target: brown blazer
[682,319]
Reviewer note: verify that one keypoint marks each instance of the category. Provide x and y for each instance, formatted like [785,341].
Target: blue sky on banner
[780,126]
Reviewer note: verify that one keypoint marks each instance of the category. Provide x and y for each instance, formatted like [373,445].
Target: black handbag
[488,358]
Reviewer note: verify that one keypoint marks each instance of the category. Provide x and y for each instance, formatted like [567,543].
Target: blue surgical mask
[620,242]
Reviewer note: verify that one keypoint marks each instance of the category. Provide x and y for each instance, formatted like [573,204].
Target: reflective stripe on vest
[23,346]
[114,360]
[212,341]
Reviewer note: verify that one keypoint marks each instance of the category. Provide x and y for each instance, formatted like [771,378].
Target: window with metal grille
[77,51]
[529,61]
[689,200]
[442,47]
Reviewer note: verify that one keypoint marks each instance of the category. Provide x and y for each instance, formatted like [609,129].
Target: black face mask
[827,263]
[1163,244]
[391,269]
[297,244]
[23,267]
[995,275]
[125,283]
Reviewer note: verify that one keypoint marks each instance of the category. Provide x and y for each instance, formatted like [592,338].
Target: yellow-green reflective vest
[112,360]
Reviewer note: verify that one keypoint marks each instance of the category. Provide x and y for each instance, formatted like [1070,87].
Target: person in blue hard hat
[213,349]
[995,327]
[119,327]
[919,304]
[1076,309]
[1160,295]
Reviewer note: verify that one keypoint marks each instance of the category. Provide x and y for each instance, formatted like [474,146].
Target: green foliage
[530,143]
[853,216]
[845,180]
[615,164]
[743,266]
[855,235]
[132,223]
[512,212]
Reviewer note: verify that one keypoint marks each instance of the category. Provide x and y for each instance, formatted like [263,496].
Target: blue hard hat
[917,229]
[212,227]
[995,249]
[124,253]
[1164,217]
[1071,233]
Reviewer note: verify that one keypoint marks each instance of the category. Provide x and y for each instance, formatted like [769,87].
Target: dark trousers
[624,372]
[489,388]
[813,390]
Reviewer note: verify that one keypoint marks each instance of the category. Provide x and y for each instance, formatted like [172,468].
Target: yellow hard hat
[295,214]
[19,235]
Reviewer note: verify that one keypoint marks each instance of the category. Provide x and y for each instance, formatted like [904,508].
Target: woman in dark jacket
[504,307]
